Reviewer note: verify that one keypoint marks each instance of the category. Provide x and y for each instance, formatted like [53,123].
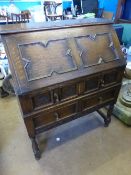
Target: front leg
[35,148]
[31,132]
[107,119]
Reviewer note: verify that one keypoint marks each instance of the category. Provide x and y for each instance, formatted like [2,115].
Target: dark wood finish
[35,148]
[63,71]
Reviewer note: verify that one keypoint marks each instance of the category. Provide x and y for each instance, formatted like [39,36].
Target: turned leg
[107,119]
[31,132]
[35,148]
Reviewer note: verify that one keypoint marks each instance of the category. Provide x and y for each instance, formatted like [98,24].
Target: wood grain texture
[63,72]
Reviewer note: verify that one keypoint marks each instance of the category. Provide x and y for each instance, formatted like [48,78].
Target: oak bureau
[63,70]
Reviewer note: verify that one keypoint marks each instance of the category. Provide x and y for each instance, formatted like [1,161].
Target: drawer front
[103,80]
[42,99]
[54,96]
[98,99]
[111,77]
[92,83]
[68,91]
[89,102]
[49,117]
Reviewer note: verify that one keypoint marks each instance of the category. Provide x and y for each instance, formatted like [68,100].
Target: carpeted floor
[84,146]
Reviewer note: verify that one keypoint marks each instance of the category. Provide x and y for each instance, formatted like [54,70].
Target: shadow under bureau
[63,70]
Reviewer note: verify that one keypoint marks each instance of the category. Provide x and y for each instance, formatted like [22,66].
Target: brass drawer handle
[56,116]
[56,97]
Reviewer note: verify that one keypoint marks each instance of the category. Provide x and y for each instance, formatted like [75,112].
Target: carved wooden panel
[42,99]
[111,77]
[68,91]
[92,83]
[96,49]
[41,59]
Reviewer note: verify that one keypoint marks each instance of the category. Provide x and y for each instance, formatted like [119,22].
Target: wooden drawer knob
[102,83]
[56,98]
[56,116]
[100,99]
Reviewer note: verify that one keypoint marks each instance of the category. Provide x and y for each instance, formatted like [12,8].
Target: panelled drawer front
[49,117]
[89,102]
[107,96]
[54,96]
[111,77]
[74,89]
[98,99]
[68,91]
[102,80]
[42,99]
[92,84]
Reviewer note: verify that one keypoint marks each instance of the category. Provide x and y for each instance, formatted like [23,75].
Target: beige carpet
[85,146]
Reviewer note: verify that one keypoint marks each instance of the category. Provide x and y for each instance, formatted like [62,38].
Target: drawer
[41,99]
[111,77]
[52,116]
[98,99]
[68,91]
[35,101]
[54,96]
[92,83]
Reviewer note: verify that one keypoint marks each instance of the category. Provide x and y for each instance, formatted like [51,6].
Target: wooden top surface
[16,28]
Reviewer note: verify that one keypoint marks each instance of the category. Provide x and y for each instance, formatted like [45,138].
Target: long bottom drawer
[55,115]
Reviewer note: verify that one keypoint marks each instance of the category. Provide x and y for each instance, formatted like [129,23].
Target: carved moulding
[43,59]
[96,49]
